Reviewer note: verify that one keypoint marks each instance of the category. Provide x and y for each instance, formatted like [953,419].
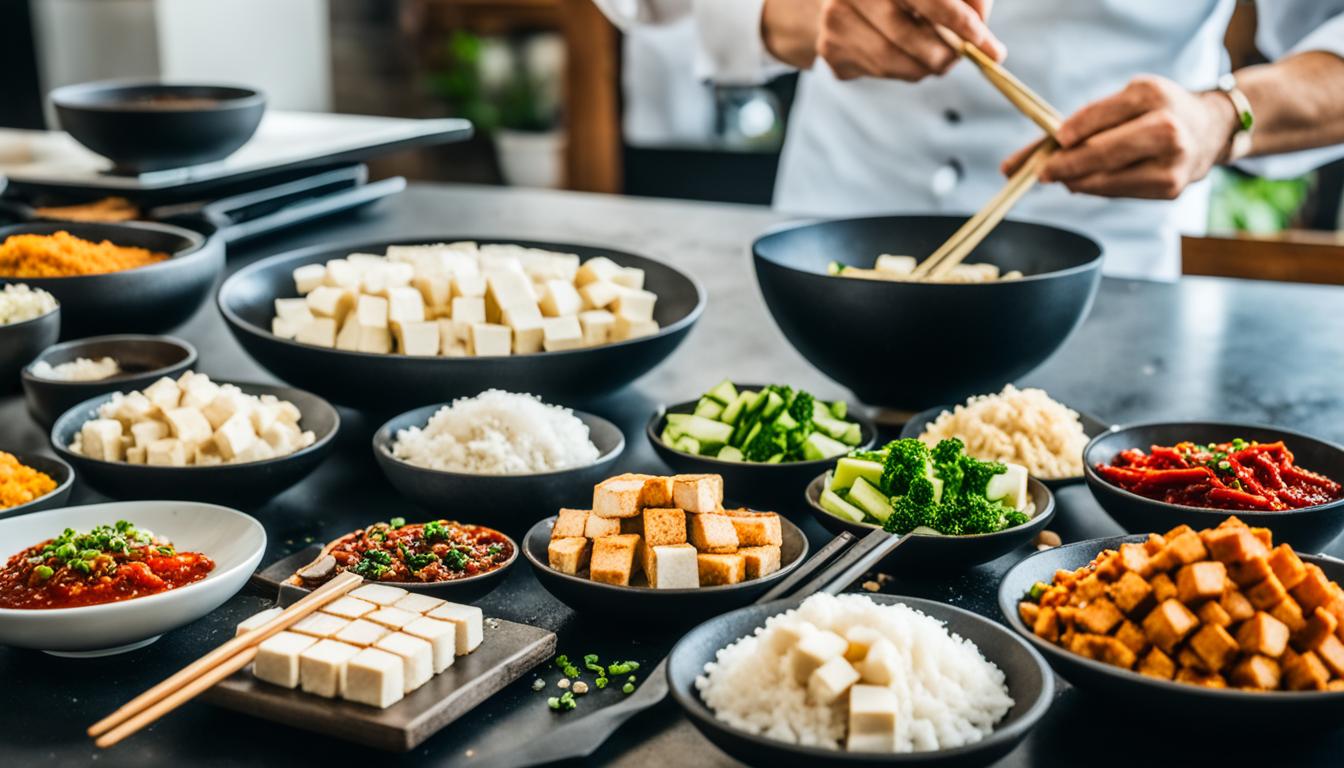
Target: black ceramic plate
[58,470]
[1028,678]
[637,606]
[386,382]
[510,503]
[944,553]
[21,342]
[1092,426]
[143,360]
[1191,703]
[911,345]
[235,483]
[756,484]
[1308,529]
[147,299]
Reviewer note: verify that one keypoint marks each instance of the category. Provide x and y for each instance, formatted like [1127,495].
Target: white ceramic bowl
[232,539]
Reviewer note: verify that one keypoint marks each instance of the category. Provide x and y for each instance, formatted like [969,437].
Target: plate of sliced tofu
[417,321]
[662,549]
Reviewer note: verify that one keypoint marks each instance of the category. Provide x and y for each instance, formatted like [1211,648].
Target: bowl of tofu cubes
[1215,627]
[387,325]
[661,551]
[193,438]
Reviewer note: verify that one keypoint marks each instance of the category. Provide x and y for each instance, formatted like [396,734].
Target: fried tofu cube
[1313,590]
[1168,624]
[1188,659]
[674,566]
[569,555]
[1089,588]
[758,530]
[1154,544]
[720,569]
[1132,636]
[1235,545]
[1320,625]
[657,492]
[760,561]
[613,560]
[1287,566]
[1177,531]
[663,526]
[1249,572]
[713,534]
[618,496]
[1214,645]
[1205,679]
[1290,613]
[1134,558]
[598,527]
[1256,671]
[1263,634]
[1265,536]
[570,523]
[1236,605]
[1213,613]
[1028,611]
[1305,672]
[1157,664]
[1331,651]
[1046,625]
[1098,616]
[698,494]
[1186,548]
[1200,581]
[1266,594]
[1163,587]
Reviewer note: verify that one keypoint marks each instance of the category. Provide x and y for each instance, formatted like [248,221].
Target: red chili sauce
[440,550]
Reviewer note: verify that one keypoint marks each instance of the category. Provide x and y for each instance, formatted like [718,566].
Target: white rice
[498,433]
[948,694]
[1022,426]
[20,303]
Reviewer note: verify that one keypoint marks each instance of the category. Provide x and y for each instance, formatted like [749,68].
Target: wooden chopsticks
[1022,97]
[214,666]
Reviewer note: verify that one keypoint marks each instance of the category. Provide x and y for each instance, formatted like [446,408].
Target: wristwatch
[1241,138]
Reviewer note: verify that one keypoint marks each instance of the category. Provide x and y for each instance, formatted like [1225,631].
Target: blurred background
[558,96]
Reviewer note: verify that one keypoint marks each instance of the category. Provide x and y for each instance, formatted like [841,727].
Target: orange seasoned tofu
[618,496]
[1305,672]
[1214,646]
[1168,624]
[1102,648]
[1028,611]
[657,492]
[1236,605]
[1205,679]
[1133,558]
[1267,593]
[1177,531]
[597,527]
[1331,651]
[1263,634]
[1290,613]
[1213,613]
[1157,664]
[1314,590]
[1201,581]
[1089,588]
[1265,536]
[1287,566]
[1320,625]
[1098,616]
[1163,587]
[720,569]
[713,534]
[1249,572]
[700,494]
[1235,545]
[1131,593]
[760,561]
[757,530]
[1154,544]
[568,555]
[1132,636]
[1186,548]
[1256,671]
[663,526]
[613,560]
[569,523]
[1046,625]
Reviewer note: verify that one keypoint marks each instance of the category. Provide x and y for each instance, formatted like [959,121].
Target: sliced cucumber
[707,431]
[840,508]
[1009,487]
[724,392]
[687,444]
[818,446]
[731,413]
[864,496]
[729,453]
[785,421]
[853,435]
[839,409]
[847,469]
[709,408]
[777,458]
[773,405]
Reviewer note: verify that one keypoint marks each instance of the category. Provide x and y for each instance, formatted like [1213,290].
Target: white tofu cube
[101,439]
[361,633]
[399,275]
[309,277]
[278,658]
[487,339]
[188,425]
[319,332]
[417,657]
[256,620]
[896,265]
[372,311]
[229,401]
[206,455]
[394,618]
[629,277]
[374,677]
[872,719]
[168,452]
[636,305]
[322,667]
[528,335]
[146,432]
[882,664]
[676,567]
[596,269]
[600,294]
[319,624]
[831,680]
[468,310]
[560,298]
[420,339]
[470,285]
[812,651]
[785,636]
[504,289]
[137,454]
[198,392]
[519,313]
[441,636]
[418,602]
[262,416]
[470,623]
[860,639]
[134,407]
[596,325]
[164,393]
[235,436]
[380,594]
[436,290]
[293,310]
[626,328]
[373,280]
[331,302]
[560,333]
[404,305]
[349,607]
[342,274]
[257,450]
[288,413]
[366,262]
[283,438]
[284,328]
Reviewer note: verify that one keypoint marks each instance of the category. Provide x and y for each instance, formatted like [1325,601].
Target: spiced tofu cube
[664,526]
[1186,548]
[1132,636]
[1133,557]
[1154,544]
[1249,572]
[1287,566]
[1236,605]
[570,523]
[1098,616]
[1188,659]
[699,494]
[1157,664]
[618,496]
[613,560]
[1314,590]
[757,530]
[1266,594]
[1290,613]
[597,527]
[1213,613]
[713,534]
[1168,624]
[1265,536]
[1263,634]
[1163,587]
[1026,610]
[1215,646]
[1104,649]
[1305,672]
[720,569]
[1201,581]
[1046,625]
[1320,625]
[657,492]
[760,561]
[1255,671]
[1177,531]
[1089,588]
[570,554]
[1331,651]
[1204,679]
[1235,545]
[1131,593]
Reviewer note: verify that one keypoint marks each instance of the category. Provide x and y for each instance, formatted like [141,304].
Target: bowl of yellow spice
[133,277]
[30,482]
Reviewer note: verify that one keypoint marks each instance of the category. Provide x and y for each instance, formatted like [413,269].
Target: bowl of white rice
[71,372]
[959,689]
[30,321]
[503,459]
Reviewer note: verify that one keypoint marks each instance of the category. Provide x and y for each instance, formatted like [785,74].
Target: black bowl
[757,484]
[510,503]
[148,299]
[372,381]
[636,606]
[911,345]
[924,553]
[1092,426]
[143,360]
[1308,530]
[21,342]
[247,483]
[1028,678]
[1190,703]
[58,470]
[148,126]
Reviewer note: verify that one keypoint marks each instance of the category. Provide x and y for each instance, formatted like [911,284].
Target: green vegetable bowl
[791,436]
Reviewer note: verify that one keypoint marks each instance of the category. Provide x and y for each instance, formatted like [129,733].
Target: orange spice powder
[20,484]
[64,255]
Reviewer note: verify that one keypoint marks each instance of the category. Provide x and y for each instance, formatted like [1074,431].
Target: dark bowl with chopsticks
[1029,682]
[150,126]
[59,471]
[1092,426]
[243,483]
[909,345]
[1193,704]
[510,503]
[142,359]
[147,299]
[929,552]
[22,341]
[1308,529]
[634,606]
[754,483]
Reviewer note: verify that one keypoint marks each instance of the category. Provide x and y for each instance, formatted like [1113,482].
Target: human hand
[1150,140]
[875,38]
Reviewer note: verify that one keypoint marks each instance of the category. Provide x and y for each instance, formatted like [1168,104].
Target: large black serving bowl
[148,126]
[247,483]
[54,468]
[1309,529]
[148,299]
[913,345]
[143,360]
[631,608]
[372,381]
[510,503]
[1136,693]
[945,554]
[21,342]
[1028,679]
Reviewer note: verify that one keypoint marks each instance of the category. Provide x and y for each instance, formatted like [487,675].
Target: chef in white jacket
[885,122]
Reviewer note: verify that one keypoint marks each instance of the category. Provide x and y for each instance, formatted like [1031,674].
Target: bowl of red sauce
[109,578]
[1156,476]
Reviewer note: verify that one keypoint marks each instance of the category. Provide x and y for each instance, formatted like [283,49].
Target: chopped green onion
[601,682]
[628,688]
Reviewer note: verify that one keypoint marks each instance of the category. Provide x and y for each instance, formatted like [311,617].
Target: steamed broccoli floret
[878,456]
[977,475]
[914,509]
[906,460]
[767,442]
[1013,518]
[801,407]
[976,514]
[948,451]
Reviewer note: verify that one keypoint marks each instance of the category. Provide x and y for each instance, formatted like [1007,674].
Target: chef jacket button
[945,178]
[952,116]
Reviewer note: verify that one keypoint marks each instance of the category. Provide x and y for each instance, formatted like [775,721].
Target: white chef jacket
[873,146]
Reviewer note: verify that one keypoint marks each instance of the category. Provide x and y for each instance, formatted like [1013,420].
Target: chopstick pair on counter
[211,668]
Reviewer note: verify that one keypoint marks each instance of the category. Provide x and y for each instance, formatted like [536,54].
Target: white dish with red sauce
[232,541]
